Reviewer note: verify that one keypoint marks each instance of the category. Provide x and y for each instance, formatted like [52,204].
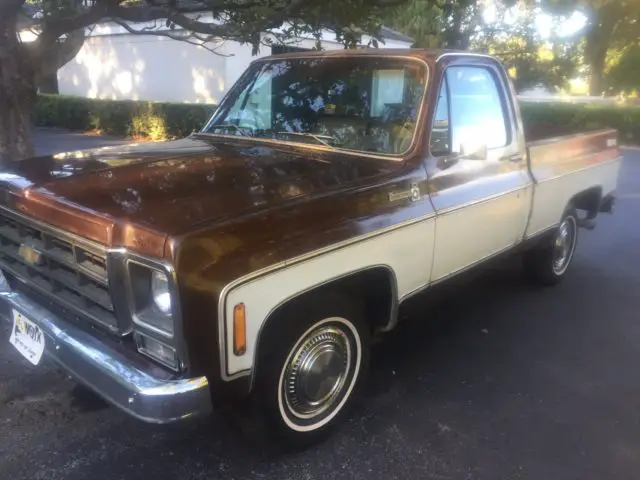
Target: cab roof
[429,54]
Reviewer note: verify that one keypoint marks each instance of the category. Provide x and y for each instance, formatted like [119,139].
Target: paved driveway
[494,381]
[49,140]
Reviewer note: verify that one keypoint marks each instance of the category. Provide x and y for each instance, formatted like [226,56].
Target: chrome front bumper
[106,371]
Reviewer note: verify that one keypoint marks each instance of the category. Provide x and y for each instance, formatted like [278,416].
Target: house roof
[391,34]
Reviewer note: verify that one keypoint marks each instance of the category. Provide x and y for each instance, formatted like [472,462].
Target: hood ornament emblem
[30,254]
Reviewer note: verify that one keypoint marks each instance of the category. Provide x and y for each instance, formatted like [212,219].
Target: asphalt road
[49,140]
[493,381]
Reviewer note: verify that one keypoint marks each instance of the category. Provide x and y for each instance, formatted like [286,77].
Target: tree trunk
[596,54]
[598,39]
[596,80]
[17,96]
[453,35]
[16,142]
[49,84]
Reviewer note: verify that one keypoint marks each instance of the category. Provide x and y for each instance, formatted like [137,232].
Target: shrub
[567,117]
[158,120]
[142,119]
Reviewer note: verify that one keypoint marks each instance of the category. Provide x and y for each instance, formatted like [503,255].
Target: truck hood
[154,190]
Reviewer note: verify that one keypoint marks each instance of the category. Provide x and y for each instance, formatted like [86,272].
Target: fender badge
[415,192]
[412,194]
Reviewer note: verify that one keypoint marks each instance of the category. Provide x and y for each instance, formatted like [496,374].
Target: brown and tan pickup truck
[255,259]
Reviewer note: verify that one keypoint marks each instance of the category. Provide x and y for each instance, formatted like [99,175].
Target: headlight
[160,292]
[150,299]
[152,294]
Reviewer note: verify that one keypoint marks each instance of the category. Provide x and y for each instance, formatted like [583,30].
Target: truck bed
[535,132]
[563,164]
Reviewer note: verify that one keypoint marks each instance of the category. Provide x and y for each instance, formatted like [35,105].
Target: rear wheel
[548,263]
[312,374]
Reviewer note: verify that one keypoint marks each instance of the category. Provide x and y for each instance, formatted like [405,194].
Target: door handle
[515,158]
[446,162]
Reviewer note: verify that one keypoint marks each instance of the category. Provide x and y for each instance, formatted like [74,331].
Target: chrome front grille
[61,267]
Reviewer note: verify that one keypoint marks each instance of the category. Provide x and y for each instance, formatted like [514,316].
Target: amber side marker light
[239,330]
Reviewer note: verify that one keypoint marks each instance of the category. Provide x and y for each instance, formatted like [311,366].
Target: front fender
[405,250]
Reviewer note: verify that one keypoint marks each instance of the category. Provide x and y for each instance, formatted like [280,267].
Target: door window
[470,106]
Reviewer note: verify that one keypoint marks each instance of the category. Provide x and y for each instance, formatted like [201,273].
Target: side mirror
[474,150]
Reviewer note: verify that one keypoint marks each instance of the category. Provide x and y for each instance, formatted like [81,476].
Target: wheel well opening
[374,288]
[588,201]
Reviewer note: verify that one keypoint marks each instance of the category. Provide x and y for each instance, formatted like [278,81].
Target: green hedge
[152,120]
[156,120]
[568,117]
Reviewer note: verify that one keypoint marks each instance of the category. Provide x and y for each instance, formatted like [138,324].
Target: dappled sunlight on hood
[186,145]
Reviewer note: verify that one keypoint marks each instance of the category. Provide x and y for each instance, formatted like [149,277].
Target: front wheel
[314,371]
[548,263]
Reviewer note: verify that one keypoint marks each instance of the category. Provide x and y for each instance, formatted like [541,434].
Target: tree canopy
[607,45]
[446,23]
[609,24]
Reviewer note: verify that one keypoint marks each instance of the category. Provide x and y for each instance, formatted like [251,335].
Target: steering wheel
[255,122]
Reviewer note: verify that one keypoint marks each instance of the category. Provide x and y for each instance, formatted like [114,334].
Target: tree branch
[48,57]
[52,30]
[147,14]
[113,9]
[386,3]
[61,52]
[226,30]
[278,18]
[240,23]
[186,37]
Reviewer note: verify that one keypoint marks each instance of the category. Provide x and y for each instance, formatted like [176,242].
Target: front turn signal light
[239,330]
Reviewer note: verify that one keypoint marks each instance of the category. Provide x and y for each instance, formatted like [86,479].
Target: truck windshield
[369,104]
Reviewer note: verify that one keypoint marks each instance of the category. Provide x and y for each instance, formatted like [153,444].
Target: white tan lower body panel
[479,218]
[478,231]
[552,195]
[406,250]
[418,252]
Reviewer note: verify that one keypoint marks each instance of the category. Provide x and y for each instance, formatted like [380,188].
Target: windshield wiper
[237,128]
[318,138]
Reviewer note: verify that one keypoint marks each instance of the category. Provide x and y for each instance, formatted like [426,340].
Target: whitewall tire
[313,370]
[548,263]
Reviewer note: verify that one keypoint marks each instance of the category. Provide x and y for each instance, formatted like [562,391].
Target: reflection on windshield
[359,103]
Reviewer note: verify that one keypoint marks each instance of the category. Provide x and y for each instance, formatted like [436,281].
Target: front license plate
[27,337]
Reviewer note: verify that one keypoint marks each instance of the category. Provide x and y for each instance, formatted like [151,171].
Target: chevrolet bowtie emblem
[30,254]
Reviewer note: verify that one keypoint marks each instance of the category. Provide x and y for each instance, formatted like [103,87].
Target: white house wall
[145,68]
[114,65]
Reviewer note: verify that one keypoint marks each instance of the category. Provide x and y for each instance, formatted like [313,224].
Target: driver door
[477,173]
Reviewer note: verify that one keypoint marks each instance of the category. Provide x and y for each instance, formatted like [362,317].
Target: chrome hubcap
[317,372]
[563,246]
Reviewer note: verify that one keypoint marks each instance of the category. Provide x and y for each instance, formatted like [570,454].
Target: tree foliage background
[606,49]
